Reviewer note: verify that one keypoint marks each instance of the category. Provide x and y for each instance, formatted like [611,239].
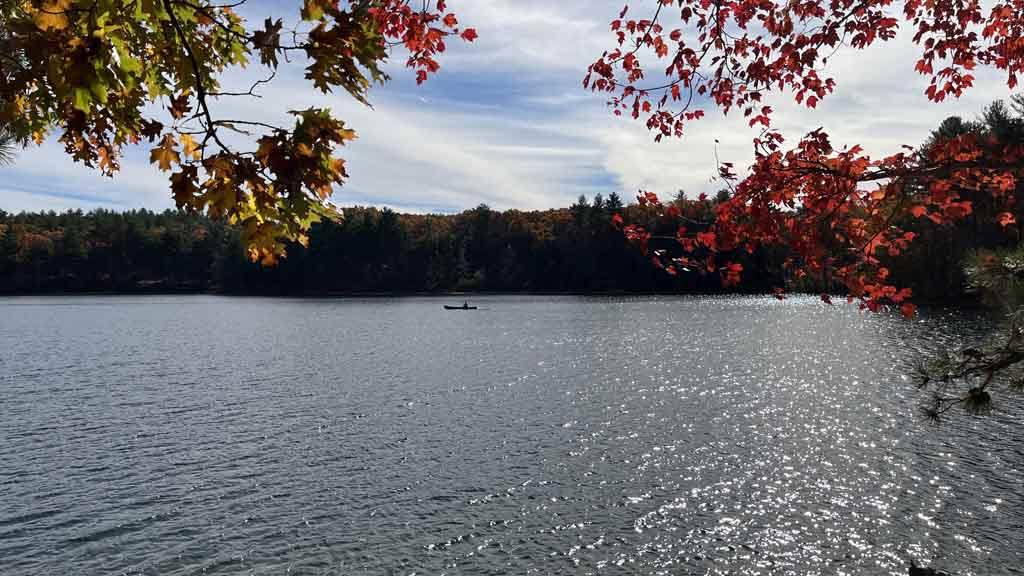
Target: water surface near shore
[538,435]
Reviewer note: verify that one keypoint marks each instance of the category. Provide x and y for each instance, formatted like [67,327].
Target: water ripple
[704,436]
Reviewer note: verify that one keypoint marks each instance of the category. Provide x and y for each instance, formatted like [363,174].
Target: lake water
[538,435]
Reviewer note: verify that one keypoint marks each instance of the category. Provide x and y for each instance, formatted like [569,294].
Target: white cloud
[45,178]
[532,37]
[18,200]
[879,103]
[508,123]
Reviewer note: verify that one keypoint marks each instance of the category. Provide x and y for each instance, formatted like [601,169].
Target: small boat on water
[465,306]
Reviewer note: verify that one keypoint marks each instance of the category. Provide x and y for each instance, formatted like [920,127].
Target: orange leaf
[165,154]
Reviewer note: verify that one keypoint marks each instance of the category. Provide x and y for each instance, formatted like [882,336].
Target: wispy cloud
[508,123]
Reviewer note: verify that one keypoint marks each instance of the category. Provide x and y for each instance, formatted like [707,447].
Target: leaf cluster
[95,70]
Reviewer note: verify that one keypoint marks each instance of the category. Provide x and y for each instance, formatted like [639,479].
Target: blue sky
[507,123]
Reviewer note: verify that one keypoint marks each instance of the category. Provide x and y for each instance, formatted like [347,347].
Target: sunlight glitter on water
[551,435]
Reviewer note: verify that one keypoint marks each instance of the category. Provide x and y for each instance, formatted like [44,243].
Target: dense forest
[574,249]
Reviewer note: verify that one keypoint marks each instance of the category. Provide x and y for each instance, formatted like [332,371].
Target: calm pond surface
[538,435]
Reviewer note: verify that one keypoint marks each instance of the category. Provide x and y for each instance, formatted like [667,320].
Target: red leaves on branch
[708,240]
[837,211]
[731,274]
[421,29]
[740,51]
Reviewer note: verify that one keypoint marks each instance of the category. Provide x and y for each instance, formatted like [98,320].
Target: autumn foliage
[835,207]
[106,73]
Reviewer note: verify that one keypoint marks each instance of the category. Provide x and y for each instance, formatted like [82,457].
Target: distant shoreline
[839,298]
[375,294]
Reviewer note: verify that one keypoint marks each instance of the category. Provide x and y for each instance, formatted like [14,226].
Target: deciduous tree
[837,209]
[103,74]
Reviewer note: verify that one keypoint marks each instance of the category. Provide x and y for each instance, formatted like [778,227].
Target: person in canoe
[465,306]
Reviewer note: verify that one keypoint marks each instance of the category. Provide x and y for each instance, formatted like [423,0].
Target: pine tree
[613,204]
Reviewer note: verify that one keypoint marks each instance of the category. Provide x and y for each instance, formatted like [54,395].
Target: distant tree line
[574,249]
[580,248]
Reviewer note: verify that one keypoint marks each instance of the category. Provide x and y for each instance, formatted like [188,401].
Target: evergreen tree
[613,204]
[580,210]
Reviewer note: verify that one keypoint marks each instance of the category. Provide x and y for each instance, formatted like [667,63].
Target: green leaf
[82,99]
[99,90]
[129,65]
[312,10]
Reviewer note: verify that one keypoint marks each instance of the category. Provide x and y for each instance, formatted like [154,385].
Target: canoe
[460,307]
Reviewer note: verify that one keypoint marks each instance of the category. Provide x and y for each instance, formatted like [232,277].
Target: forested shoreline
[573,250]
[577,249]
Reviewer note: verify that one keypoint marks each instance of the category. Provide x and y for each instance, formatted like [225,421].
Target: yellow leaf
[190,146]
[52,15]
[164,154]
